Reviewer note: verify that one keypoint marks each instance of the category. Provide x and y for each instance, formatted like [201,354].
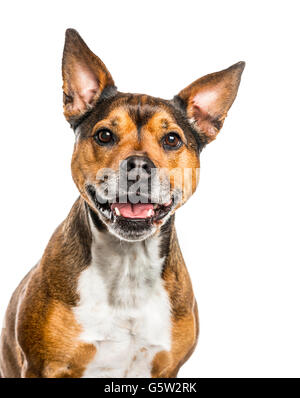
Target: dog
[111,295]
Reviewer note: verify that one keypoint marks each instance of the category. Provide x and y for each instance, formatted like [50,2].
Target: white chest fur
[124,309]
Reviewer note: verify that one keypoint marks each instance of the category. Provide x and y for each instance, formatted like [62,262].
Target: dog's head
[136,157]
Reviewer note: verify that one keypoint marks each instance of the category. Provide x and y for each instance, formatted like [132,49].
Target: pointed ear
[208,100]
[84,76]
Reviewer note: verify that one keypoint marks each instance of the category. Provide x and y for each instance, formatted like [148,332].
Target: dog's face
[136,157]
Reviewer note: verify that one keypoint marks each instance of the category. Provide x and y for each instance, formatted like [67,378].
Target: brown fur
[40,337]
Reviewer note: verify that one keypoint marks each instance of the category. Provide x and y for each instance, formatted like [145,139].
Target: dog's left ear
[209,98]
[84,76]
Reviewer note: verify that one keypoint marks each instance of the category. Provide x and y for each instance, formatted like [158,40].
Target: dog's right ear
[84,77]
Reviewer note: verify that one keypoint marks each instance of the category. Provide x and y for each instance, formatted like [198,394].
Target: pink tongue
[138,210]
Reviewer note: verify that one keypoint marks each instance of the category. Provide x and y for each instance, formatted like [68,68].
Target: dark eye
[104,137]
[171,141]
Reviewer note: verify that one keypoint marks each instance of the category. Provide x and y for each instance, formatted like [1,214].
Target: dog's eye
[104,137]
[171,141]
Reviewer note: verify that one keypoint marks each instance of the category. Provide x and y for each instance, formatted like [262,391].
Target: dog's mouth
[131,212]
[141,211]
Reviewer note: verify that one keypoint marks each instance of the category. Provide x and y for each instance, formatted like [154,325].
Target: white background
[240,232]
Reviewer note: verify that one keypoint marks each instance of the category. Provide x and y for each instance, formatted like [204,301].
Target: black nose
[139,163]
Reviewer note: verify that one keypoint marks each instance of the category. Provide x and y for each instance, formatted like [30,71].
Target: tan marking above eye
[162,123]
[119,121]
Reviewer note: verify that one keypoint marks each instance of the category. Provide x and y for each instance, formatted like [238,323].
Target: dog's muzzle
[134,202]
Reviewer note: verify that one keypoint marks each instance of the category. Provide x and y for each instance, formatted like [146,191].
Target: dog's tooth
[150,213]
[117,211]
[155,206]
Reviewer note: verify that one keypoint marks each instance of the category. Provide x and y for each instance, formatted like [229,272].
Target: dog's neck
[102,237]
[83,241]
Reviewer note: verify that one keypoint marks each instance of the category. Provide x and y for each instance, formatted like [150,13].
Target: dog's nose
[139,164]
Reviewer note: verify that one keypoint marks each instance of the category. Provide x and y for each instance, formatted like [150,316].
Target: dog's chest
[124,308]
